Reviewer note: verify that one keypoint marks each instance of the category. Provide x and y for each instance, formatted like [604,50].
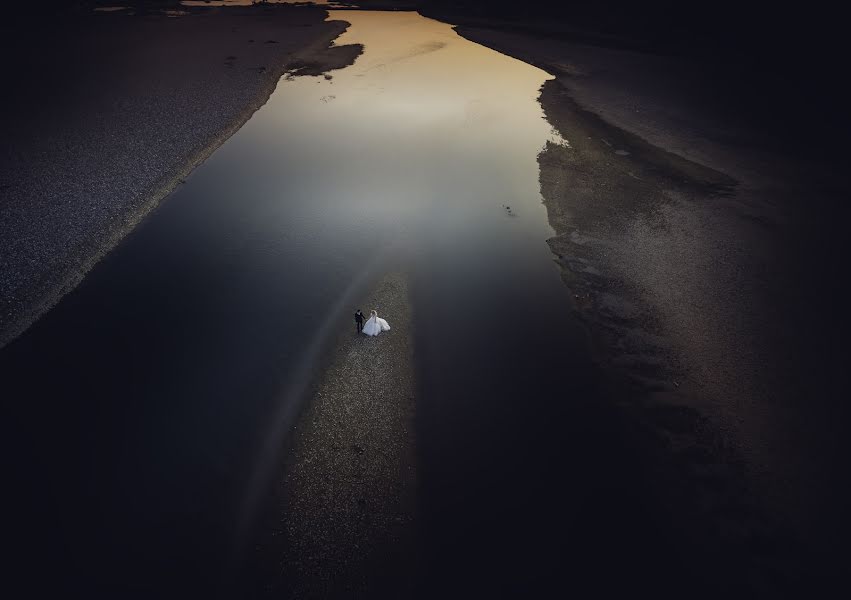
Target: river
[145,400]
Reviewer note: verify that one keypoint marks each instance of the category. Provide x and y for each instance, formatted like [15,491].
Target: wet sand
[686,237]
[99,132]
[342,521]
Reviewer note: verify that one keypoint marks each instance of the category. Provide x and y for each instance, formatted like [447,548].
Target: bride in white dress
[375,325]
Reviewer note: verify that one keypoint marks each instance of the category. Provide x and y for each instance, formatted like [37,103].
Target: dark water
[146,411]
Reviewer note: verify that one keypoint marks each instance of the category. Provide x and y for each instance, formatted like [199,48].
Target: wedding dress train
[375,325]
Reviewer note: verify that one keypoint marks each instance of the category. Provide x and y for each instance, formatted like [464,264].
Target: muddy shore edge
[81,173]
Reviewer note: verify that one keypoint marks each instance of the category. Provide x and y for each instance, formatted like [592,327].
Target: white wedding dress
[375,325]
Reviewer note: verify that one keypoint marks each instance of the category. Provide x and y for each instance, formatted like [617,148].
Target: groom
[359,320]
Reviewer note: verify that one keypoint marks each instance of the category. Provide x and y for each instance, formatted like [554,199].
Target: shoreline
[675,234]
[343,507]
[35,292]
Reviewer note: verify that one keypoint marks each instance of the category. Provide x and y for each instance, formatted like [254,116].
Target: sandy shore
[685,235]
[111,112]
[343,523]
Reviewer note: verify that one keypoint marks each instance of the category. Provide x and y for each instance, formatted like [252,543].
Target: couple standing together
[373,326]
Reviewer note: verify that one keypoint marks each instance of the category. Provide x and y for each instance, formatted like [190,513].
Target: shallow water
[152,401]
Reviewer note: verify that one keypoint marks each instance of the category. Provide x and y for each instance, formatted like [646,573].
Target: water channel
[147,396]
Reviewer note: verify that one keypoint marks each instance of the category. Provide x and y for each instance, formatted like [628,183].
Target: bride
[375,325]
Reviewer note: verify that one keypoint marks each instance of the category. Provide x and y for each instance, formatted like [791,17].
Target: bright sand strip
[347,494]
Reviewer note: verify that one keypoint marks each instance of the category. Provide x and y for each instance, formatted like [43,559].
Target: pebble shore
[103,132]
[345,522]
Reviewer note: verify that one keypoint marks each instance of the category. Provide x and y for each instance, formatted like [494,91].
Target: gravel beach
[102,130]
[344,521]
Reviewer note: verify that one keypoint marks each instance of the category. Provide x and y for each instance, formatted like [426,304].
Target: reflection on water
[426,137]
[178,363]
[454,131]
